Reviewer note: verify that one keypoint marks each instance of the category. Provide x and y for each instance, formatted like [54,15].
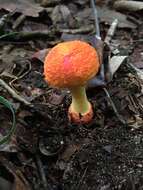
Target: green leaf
[8,105]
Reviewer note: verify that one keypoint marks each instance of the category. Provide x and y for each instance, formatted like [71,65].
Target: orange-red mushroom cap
[71,64]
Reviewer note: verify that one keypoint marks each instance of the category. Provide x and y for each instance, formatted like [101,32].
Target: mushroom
[70,65]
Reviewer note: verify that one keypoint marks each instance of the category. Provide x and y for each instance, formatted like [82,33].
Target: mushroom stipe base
[80,118]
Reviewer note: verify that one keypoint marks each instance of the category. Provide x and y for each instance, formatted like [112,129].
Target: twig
[13,93]
[111,32]
[20,77]
[18,21]
[114,107]
[96,19]
[46,3]
[3,19]
[80,182]
[128,5]
[3,42]
[82,30]
[23,36]
[42,173]
[139,41]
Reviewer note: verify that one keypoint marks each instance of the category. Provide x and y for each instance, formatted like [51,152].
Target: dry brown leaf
[108,15]
[15,56]
[26,7]
[105,15]
[136,122]
[19,182]
[40,55]
[69,151]
[61,13]
[46,3]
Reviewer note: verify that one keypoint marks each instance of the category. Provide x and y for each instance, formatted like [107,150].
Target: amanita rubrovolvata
[70,65]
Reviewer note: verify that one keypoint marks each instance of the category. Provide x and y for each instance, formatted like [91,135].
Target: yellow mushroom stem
[80,103]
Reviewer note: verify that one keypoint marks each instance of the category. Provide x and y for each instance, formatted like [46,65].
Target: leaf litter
[104,154]
[26,7]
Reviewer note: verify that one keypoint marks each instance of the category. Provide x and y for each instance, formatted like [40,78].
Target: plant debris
[47,152]
[129,5]
[26,7]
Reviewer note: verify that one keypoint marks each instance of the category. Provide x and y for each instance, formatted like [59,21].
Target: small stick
[128,5]
[42,173]
[13,93]
[20,77]
[18,21]
[81,180]
[82,30]
[3,19]
[111,32]
[114,107]
[19,36]
[96,20]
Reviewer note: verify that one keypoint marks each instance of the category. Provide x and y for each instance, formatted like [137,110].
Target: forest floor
[47,152]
